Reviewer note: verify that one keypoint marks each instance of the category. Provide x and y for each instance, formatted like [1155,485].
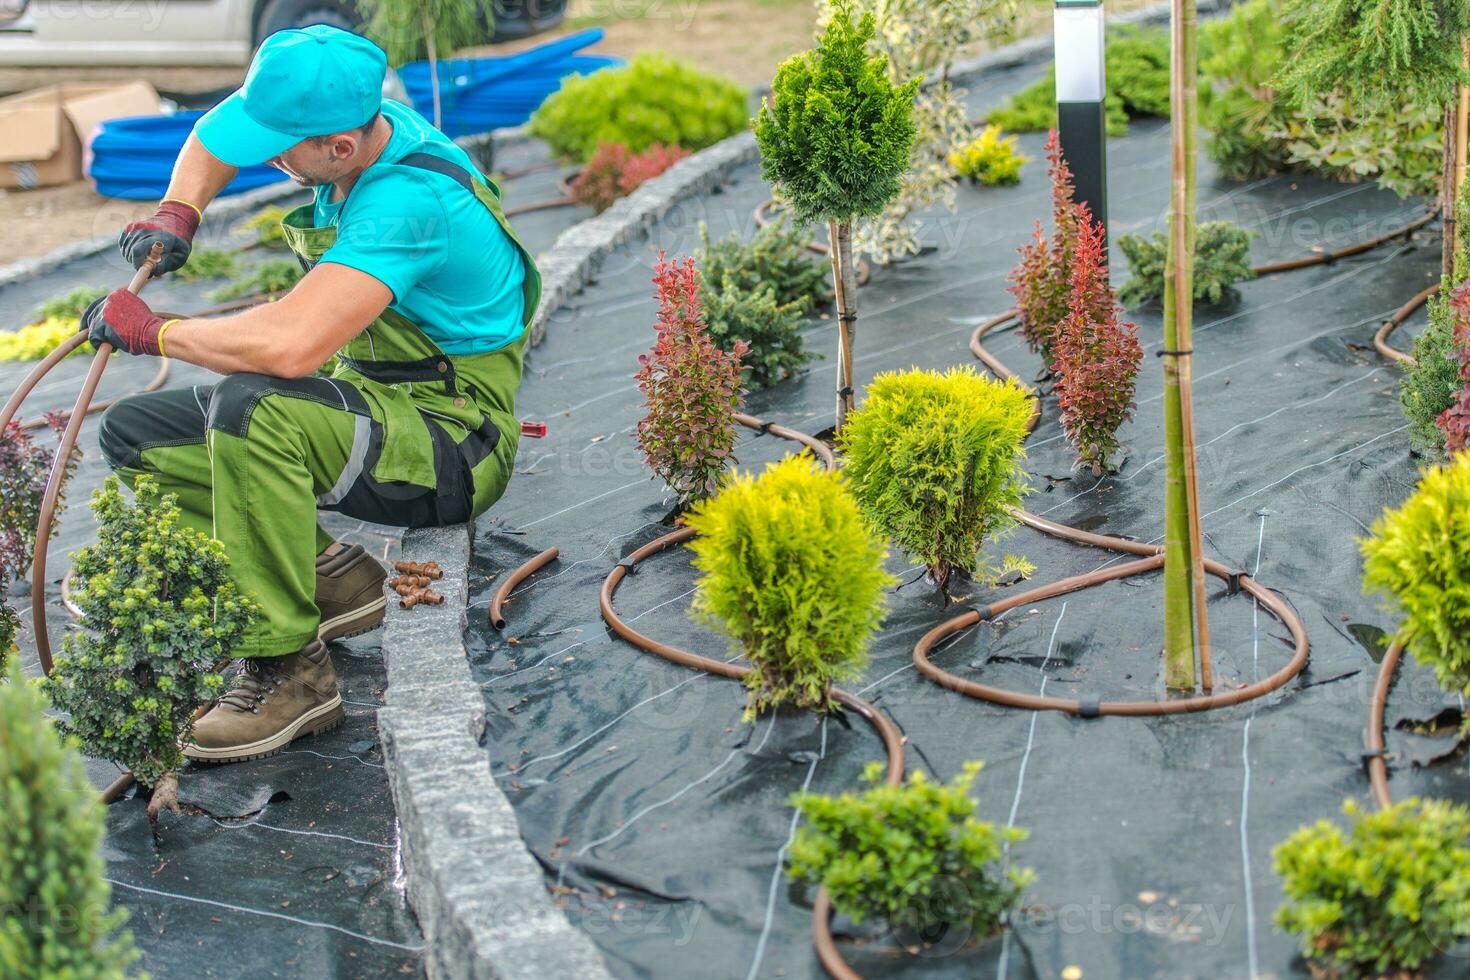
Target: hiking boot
[272,702]
[349,592]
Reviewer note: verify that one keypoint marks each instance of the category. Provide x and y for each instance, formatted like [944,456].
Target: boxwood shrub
[790,571]
[913,855]
[934,462]
[1418,557]
[652,99]
[1384,899]
[58,917]
[1221,259]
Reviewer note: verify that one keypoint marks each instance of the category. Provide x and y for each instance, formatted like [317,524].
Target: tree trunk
[433,64]
[844,287]
[1179,557]
[1448,190]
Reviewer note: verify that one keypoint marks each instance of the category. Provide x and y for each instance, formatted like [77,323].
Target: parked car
[195,32]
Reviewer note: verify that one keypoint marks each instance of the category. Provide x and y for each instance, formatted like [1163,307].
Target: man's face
[314,162]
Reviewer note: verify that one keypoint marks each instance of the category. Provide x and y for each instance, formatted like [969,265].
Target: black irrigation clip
[1089,708]
[629,566]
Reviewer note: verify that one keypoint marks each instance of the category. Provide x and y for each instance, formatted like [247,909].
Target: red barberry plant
[1042,282]
[691,387]
[614,172]
[24,467]
[1097,358]
[1454,421]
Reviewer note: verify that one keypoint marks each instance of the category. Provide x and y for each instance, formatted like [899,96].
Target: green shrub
[159,610]
[273,276]
[208,263]
[794,576]
[776,256]
[1383,900]
[989,158]
[933,460]
[1431,384]
[771,331]
[1137,61]
[913,855]
[652,99]
[1221,259]
[58,921]
[266,223]
[1418,558]
[69,306]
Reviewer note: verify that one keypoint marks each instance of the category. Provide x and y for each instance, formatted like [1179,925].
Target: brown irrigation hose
[1324,258]
[1377,747]
[546,205]
[1380,339]
[502,594]
[819,448]
[58,471]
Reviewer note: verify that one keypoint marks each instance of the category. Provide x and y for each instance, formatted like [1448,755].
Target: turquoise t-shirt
[452,269]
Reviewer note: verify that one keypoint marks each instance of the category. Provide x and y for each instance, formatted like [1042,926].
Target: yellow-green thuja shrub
[1384,899]
[58,921]
[794,576]
[934,461]
[1419,558]
[913,855]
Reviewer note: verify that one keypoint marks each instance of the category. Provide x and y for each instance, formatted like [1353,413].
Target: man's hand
[124,321]
[174,224]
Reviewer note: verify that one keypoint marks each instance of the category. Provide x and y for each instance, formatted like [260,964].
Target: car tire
[280,15]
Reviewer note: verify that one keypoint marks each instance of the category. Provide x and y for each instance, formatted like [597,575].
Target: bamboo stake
[1179,599]
[1462,134]
[1448,189]
[843,286]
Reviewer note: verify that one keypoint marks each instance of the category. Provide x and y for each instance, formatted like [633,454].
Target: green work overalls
[400,434]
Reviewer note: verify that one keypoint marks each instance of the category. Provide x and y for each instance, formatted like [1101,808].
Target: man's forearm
[258,340]
[198,175]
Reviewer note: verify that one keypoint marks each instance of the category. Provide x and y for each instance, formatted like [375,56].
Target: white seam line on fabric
[302,833]
[268,914]
[760,946]
[1252,957]
[1003,966]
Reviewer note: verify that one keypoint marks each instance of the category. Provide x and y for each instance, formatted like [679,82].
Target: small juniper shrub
[1042,282]
[913,855]
[934,462]
[691,387]
[614,173]
[1418,559]
[69,306]
[208,263]
[770,330]
[1097,359]
[59,922]
[271,276]
[776,256]
[159,610]
[1432,384]
[1221,259]
[989,158]
[1454,422]
[794,576]
[1383,900]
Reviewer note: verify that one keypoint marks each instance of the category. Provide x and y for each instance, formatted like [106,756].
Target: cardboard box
[47,128]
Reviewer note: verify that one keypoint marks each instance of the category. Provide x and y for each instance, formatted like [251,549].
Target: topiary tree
[794,576]
[58,917]
[1418,558]
[159,610]
[652,99]
[1097,359]
[692,390]
[776,256]
[411,29]
[1432,383]
[1042,282]
[1383,900]
[913,855]
[922,38]
[933,460]
[835,137]
[1221,259]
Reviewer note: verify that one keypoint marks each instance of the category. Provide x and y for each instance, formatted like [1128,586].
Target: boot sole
[363,619]
[323,718]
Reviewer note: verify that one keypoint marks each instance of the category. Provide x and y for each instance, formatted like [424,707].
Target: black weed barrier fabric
[662,819]
[286,867]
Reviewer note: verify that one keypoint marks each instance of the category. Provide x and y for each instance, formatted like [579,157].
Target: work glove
[124,321]
[174,224]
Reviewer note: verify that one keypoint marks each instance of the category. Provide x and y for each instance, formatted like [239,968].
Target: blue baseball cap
[308,82]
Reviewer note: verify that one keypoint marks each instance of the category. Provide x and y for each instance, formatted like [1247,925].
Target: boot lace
[252,683]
